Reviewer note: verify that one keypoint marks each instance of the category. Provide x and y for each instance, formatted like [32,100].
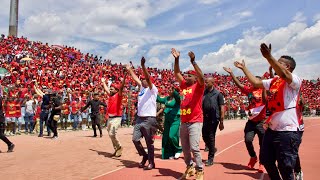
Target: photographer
[55,112]
[44,108]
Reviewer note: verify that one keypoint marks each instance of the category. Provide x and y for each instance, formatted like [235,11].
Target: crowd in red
[63,68]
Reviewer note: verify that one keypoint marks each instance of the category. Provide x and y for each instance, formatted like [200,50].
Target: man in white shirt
[283,136]
[146,123]
[30,105]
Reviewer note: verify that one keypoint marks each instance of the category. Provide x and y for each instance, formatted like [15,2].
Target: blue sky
[218,31]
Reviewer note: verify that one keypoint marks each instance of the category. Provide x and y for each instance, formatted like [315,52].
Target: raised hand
[175,53]
[265,50]
[128,66]
[239,64]
[143,61]
[103,80]
[192,56]
[228,70]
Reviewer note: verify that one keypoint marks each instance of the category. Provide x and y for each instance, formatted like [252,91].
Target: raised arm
[133,75]
[278,68]
[196,68]
[256,82]
[103,80]
[38,91]
[234,78]
[177,72]
[145,72]
[122,84]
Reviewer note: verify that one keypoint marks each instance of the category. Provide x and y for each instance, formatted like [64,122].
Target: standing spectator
[2,128]
[30,105]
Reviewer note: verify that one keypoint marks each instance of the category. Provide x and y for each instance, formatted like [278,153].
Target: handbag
[56,117]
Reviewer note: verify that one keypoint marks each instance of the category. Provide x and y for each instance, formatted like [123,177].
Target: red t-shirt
[75,106]
[114,105]
[191,104]
[255,100]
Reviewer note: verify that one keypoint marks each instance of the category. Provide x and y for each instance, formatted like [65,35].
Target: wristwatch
[194,63]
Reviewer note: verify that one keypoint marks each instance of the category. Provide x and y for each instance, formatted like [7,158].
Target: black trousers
[145,127]
[250,130]
[2,136]
[209,130]
[297,167]
[280,146]
[95,119]
[53,125]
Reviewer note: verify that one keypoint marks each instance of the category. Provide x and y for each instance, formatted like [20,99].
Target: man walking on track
[146,123]
[283,135]
[192,88]
[115,113]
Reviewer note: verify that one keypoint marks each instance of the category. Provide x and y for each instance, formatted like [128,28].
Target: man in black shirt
[213,115]
[2,128]
[95,115]
[44,108]
[55,104]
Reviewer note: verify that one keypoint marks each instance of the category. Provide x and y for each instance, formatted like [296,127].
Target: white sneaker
[177,155]
[299,175]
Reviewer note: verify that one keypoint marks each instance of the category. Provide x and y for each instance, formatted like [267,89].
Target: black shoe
[10,148]
[143,162]
[101,135]
[209,162]
[95,135]
[149,167]
[40,135]
[206,149]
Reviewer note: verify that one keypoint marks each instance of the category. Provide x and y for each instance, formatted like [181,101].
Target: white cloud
[209,1]
[245,14]
[123,53]
[299,17]
[316,17]
[296,40]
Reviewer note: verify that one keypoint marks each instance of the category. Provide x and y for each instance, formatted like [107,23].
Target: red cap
[192,72]
[116,86]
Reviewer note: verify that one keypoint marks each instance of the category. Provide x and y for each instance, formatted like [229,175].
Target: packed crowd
[68,71]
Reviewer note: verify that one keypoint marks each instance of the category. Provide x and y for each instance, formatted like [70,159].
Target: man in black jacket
[95,115]
[213,115]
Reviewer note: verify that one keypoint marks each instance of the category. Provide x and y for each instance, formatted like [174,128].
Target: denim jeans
[44,119]
[28,120]
[75,118]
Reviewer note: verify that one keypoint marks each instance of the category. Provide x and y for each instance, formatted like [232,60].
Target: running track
[230,161]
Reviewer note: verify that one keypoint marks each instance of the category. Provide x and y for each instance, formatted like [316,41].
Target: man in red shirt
[115,113]
[75,116]
[257,114]
[192,88]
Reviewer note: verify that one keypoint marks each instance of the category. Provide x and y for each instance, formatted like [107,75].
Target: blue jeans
[44,119]
[28,119]
[75,118]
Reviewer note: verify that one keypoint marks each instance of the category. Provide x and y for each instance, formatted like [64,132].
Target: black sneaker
[209,162]
[206,149]
[10,148]
[40,135]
